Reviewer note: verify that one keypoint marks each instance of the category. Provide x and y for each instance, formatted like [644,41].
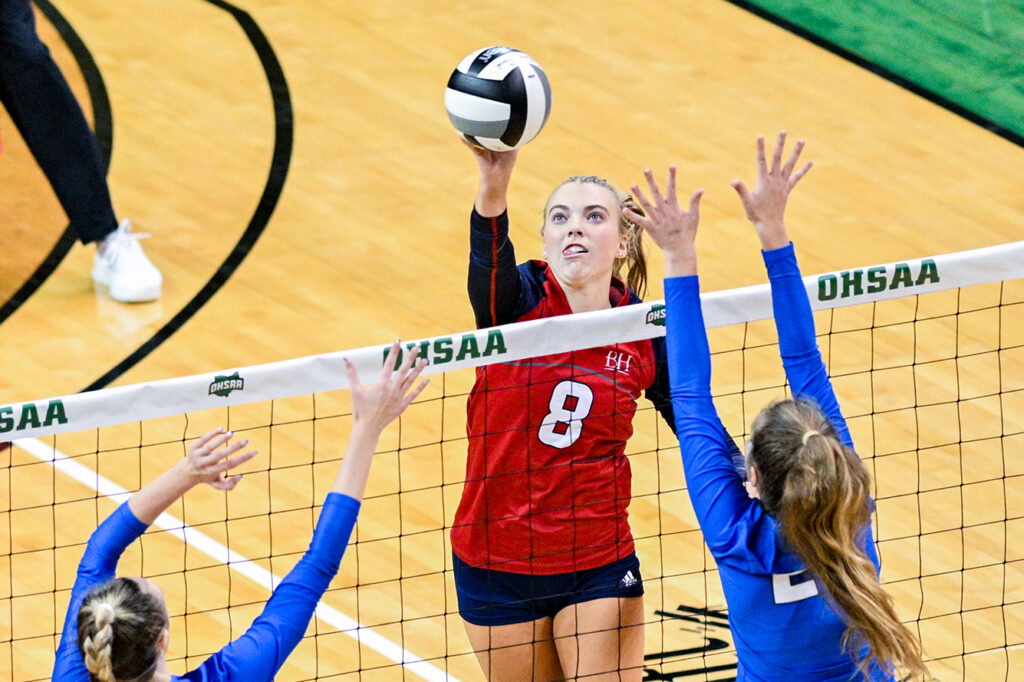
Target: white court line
[235,561]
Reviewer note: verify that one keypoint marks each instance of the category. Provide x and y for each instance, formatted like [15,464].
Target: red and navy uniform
[547,480]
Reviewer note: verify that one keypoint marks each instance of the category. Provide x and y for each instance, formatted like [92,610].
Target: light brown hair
[818,491]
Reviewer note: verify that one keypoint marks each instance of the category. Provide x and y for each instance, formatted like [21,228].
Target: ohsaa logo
[877,279]
[656,315]
[223,386]
[446,349]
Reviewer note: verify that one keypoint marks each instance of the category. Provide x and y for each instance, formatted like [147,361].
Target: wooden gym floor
[345,220]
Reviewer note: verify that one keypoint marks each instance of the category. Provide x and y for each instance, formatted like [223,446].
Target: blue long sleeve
[728,518]
[98,564]
[798,346]
[784,629]
[259,653]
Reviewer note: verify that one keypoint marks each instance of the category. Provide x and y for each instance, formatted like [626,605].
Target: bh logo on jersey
[618,361]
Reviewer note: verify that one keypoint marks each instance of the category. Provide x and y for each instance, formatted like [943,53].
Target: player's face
[581,234]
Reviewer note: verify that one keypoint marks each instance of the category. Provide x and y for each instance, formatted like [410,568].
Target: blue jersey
[261,651]
[784,629]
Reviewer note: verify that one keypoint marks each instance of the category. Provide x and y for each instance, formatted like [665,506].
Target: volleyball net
[926,356]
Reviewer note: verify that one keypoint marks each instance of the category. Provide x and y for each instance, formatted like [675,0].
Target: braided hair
[119,625]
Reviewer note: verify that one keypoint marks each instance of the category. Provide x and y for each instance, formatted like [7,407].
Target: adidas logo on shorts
[628,580]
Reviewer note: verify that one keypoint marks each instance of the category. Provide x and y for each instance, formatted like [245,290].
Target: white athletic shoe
[122,268]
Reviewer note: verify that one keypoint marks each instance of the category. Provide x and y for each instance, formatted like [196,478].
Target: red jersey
[547,480]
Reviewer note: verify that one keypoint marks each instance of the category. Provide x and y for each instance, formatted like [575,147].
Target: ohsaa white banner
[320,373]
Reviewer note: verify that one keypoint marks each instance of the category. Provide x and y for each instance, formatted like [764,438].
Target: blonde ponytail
[635,260]
[818,491]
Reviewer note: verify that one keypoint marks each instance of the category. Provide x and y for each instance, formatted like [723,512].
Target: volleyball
[498,98]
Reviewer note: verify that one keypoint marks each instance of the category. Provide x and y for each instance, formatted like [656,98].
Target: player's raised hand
[379,403]
[766,204]
[672,227]
[495,176]
[210,458]
[492,163]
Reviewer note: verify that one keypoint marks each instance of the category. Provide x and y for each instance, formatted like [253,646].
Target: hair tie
[808,434]
[108,607]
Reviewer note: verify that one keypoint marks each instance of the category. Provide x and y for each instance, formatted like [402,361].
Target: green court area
[965,54]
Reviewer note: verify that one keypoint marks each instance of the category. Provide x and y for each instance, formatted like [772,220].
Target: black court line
[103,124]
[878,69]
[283,139]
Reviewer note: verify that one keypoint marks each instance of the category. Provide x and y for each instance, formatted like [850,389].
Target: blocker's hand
[766,204]
[671,227]
[210,458]
[669,224]
[378,404]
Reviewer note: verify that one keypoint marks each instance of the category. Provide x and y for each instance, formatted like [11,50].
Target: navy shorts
[490,598]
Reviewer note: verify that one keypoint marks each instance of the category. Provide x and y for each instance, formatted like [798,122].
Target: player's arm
[712,479]
[207,460]
[263,648]
[98,564]
[495,283]
[765,207]
[798,346]
[715,487]
[261,651]
[660,394]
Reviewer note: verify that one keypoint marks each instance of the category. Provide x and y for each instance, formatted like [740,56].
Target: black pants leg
[49,118]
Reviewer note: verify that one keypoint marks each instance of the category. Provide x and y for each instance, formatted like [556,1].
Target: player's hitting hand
[766,204]
[495,176]
[494,165]
[670,226]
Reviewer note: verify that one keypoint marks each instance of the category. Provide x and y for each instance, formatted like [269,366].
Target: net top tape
[326,372]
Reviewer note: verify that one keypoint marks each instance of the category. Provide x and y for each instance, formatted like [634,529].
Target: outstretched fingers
[207,437]
[392,359]
[211,456]
[353,375]
[382,401]
[670,186]
[631,215]
[780,143]
[762,165]
[208,443]
[221,480]
[787,170]
[411,396]
[641,199]
[407,361]
[799,174]
[745,198]
[652,183]
[695,202]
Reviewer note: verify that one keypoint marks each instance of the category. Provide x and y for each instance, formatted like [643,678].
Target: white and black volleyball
[498,98]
